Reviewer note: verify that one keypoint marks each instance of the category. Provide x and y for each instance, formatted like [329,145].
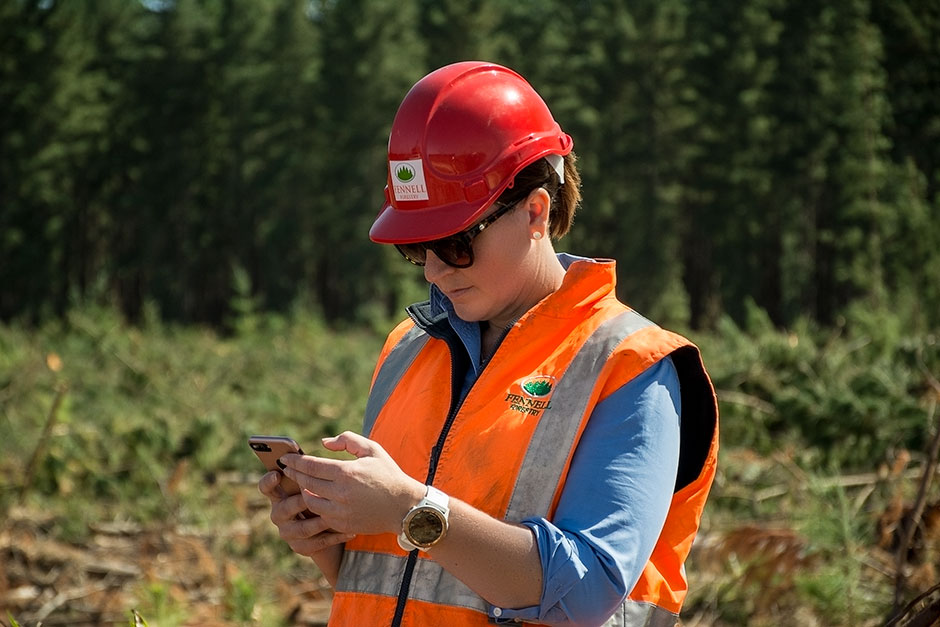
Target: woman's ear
[538,205]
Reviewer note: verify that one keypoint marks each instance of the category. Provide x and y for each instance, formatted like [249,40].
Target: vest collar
[586,282]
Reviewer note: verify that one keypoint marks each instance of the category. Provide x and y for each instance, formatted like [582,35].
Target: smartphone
[269,449]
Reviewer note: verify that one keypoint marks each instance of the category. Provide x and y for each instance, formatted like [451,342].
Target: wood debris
[44,581]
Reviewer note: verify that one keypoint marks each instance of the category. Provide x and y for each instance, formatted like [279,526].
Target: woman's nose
[434,268]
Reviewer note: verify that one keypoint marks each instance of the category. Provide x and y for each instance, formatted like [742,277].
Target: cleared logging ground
[127,484]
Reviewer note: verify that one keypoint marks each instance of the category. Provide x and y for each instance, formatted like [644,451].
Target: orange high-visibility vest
[507,448]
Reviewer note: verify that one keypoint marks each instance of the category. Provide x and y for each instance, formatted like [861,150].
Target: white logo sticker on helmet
[408,180]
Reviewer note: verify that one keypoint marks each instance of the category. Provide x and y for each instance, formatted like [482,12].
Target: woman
[522,457]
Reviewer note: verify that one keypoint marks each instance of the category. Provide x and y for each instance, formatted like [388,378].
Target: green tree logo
[538,387]
[405,173]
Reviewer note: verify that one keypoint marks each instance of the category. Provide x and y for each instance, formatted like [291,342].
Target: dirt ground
[102,580]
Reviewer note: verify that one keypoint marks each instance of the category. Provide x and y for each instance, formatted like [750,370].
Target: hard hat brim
[405,226]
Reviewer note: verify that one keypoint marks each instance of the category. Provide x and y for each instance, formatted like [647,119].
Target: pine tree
[630,80]
[370,55]
[909,30]
[32,251]
[727,180]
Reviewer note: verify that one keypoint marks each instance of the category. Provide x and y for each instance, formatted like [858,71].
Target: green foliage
[159,604]
[800,551]
[846,395]
[839,590]
[200,159]
[143,403]
[240,599]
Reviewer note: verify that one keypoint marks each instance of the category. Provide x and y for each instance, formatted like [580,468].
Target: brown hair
[565,197]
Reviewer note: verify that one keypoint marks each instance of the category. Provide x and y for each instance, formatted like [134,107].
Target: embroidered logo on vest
[532,395]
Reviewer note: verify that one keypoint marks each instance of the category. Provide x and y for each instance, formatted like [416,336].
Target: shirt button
[497,612]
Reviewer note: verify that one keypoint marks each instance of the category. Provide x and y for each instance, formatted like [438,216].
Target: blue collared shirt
[615,499]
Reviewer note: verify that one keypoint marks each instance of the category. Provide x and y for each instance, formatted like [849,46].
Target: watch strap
[435,497]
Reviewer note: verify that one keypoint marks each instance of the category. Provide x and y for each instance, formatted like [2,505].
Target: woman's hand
[366,495]
[305,536]
[371,494]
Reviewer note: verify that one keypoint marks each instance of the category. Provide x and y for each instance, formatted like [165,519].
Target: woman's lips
[456,293]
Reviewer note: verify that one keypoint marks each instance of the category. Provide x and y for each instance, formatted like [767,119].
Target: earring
[537,235]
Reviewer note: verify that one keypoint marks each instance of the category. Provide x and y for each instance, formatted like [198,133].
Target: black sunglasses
[454,250]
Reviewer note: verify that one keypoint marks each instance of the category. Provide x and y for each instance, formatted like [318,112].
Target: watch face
[426,527]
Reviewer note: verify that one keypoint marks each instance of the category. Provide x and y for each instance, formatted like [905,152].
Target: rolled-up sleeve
[613,505]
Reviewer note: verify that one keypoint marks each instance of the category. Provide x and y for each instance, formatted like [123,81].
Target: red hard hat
[460,136]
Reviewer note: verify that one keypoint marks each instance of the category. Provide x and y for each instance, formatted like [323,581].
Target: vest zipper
[432,470]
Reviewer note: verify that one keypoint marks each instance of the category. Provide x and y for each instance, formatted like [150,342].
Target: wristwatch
[426,523]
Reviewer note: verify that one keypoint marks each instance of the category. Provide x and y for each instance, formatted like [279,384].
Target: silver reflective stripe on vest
[555,433]
[640,614]
[395,365]
[375,573]
[380,574]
